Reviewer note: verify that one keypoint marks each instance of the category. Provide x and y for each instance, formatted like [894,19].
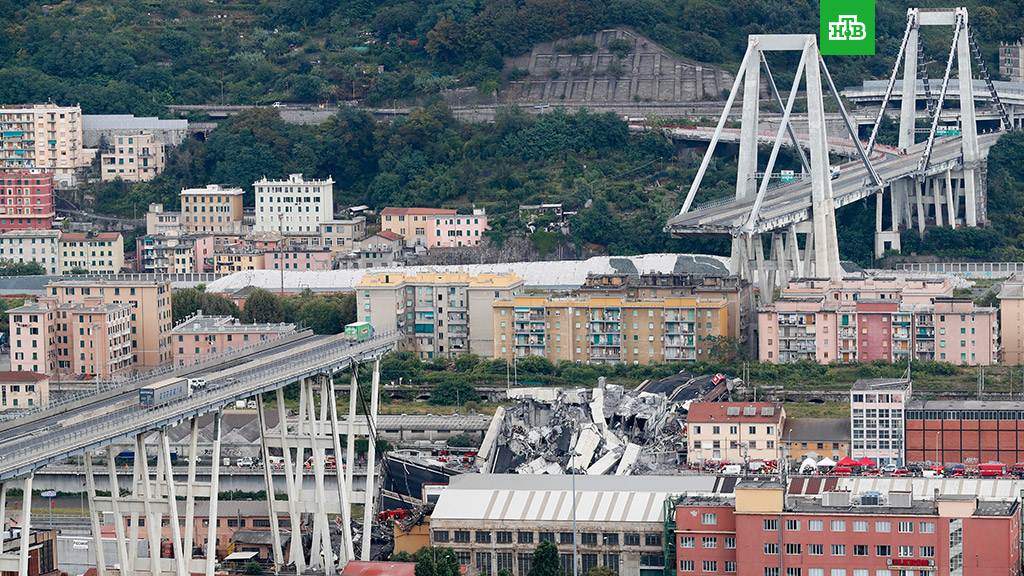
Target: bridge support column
[371,463]
[951,206]
[127,565]
[26,525]
[746,184]
[919,192]
[211,533]
[291,471]
[350,452]
[190,489]
[94,515]
[826,244]
[275,525]
[172,506]
[344,494]
[968,121]
[908,102]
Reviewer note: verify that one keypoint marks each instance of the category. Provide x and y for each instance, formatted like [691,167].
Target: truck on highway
[163,392]
[359,331]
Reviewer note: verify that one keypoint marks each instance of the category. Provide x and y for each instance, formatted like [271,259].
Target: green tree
[466,362]
[262,306]
[601,571]
[536,365]
[252,569]
[436,562]
[191,300]
[464,441]
[545,561]
[453,394]
[11,268]
[322,315]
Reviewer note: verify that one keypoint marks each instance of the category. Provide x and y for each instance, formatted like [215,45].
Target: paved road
[791,203]
[22,451]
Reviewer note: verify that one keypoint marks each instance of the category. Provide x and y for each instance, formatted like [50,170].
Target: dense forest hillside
[118,56]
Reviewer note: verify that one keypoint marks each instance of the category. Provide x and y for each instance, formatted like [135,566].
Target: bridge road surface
[791,202]
[20,455]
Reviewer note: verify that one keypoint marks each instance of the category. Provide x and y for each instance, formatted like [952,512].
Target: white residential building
[39,246]
[877,410]
[293,206]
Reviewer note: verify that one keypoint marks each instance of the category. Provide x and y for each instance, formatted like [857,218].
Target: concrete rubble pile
[604,430]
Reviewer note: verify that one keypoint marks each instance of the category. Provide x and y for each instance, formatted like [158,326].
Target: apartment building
[150,315]
[1011,58]
[160,221]
[23,390]
[293,206]
[91,338]
[441,314]
[877,410]
[376,251]
[816,438]
[435,227]
[609,330]
[39,246]
[734,432]
[200,337]
[175,253]
[227,261]
[866,320]
[44,136]
[762,531]
[135,158]
[26,200]
[213,210]
[96,253]
[299,258]
[1011,320]
[342,234]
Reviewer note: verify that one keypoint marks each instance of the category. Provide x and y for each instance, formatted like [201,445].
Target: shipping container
[163,392]
[359,331]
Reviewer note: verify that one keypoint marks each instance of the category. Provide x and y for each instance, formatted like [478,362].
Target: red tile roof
[389,235]
[707,412]
[7,376]
[82,237]
[416,211]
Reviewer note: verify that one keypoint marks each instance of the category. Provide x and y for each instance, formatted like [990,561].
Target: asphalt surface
[25,449]
[792,202]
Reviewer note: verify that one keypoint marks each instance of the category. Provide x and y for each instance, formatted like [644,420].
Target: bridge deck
[791,203]
[21,455]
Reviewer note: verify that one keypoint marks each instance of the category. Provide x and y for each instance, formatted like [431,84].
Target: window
[838,572]
[565,537]
[771,525]
[839,549]
[730,543]
[793,549]
[883,526]
[815,572]
[687,542]
[882,551]
[440,535]
[545,536]
[483,563]
[860,525]
[771,571]
[816,549]
[792,525]
[793,571]
[686,566]
[652,540]
[483,536]
[710,566]
[525,537]
[927,551]
[588,538]
[710,542]
[462,535]
[906,527]
[709,519]
[730,566]
[503,537]
[816,525]
[926,527]
[860,550]
[838,526]
[771,549]
[504,560]
[906,551]
[631,539]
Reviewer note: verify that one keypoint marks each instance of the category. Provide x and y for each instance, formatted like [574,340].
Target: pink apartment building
[435,227]
[200,337]
[26,201]
[90,338]
[863,321]
[300,259]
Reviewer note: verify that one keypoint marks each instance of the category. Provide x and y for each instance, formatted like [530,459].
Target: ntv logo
[847,28]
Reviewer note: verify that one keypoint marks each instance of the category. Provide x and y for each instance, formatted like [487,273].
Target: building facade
[43,136]
[297,258]
[96,253]
[435,227]
[160,221]
[39,246]
[867,320]
[735,432]
[816,438]
[150,312]
[967,432]
[439,314]
[877,409]
[1011,57]
[214,210]
[26,200]
[175,253]
[227,261]
[377,251]
[23,390]
[200,337]
[135,158]
[293,206]
[762,532]
[1011,320]
[342,234]
[90,338]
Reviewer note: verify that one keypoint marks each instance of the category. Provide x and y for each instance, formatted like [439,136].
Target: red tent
[865,461]
[847,461]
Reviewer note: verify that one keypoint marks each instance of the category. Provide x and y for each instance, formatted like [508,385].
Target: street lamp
[573,455]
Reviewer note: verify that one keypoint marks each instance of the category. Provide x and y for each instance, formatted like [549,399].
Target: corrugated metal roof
[546,498]
[985,488]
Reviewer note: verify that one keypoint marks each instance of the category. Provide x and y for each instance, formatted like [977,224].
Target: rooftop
[31,234]
[392,211]
[21,376]
[764,412]
[1013,405]
[294,179]
[817,429]
[88,236]
[473,281]
[875,384]
[212,189]
[388,235]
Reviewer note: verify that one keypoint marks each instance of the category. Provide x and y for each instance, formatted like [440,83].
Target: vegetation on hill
[321,314]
